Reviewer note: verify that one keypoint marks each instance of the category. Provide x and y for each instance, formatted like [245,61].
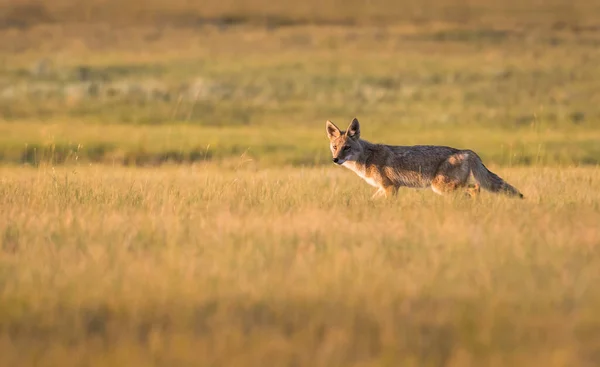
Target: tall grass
[244,267]
[244,248]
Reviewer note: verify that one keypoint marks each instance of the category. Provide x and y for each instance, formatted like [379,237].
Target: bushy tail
[490,181]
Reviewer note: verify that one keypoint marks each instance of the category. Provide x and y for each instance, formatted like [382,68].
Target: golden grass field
[167,196]
[295,267]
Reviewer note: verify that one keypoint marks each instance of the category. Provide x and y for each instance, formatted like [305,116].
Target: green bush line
[267,154]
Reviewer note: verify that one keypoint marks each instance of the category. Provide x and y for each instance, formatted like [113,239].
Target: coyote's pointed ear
[354,129]
[332,130]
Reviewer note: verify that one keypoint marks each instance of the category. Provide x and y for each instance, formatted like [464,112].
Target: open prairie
[239,267]
[167,196]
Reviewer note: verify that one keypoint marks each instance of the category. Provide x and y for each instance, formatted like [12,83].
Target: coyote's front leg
[379,193]
[387,191]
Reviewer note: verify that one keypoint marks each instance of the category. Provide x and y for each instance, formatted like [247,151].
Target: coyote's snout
[389,167]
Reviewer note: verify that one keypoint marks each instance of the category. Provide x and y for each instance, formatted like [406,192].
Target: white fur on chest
[360,171]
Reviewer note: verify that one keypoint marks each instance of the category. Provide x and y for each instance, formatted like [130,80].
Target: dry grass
[262,254]
[24,13]
[238,267]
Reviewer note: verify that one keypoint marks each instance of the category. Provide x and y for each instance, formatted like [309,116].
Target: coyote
[388,167]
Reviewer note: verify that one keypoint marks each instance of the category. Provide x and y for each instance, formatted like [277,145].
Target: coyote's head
[344,145]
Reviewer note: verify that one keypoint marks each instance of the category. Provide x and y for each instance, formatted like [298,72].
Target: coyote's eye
[347,147]
[334,147]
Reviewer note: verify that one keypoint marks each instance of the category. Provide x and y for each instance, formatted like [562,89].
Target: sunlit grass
[25,13]
[301,144]
[242,266]
[146,96]
[239,243]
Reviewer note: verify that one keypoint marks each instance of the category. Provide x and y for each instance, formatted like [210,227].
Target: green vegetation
[521,95]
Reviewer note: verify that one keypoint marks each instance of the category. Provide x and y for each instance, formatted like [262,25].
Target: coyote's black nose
[335,160]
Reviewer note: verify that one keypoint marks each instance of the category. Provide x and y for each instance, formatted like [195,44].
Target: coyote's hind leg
[452,174]
[442,184]
[473,190]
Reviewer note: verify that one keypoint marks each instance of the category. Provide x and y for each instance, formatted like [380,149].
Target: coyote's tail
[489,180]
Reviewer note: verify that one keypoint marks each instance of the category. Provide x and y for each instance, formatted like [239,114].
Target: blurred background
[152,82]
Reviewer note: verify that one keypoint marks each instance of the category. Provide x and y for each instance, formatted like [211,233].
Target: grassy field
[27,13]
[167,196]
[236,267]
[137,94]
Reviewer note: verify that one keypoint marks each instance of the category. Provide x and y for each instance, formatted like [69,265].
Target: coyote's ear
[332,130]
[354,129]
